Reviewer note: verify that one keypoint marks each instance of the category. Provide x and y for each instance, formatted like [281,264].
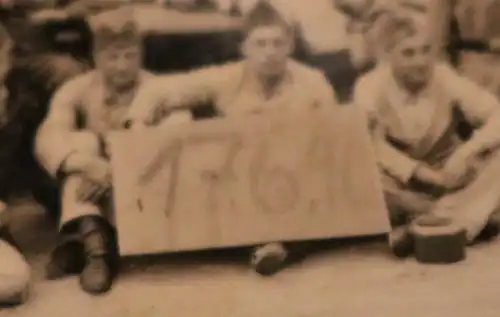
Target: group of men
[413,103]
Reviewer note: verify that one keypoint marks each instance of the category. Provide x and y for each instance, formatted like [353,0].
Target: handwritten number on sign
[168,155]
[274,189]
[171,156]
[224,172]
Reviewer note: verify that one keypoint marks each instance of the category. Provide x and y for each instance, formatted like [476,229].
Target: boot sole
[269,264]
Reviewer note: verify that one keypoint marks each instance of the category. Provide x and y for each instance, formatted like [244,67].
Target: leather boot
[490,231]
[98,272]
[401,242]
[66,259]
[270,258]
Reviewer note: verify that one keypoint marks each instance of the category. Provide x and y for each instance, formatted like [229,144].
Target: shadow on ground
[352,277]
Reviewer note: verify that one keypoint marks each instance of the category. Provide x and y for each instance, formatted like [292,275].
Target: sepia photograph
[249,158]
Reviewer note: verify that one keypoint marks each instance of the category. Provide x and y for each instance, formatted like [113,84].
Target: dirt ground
[355,279]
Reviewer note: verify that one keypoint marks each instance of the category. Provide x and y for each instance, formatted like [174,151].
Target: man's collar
[111,96]
[402,96]
[257,85]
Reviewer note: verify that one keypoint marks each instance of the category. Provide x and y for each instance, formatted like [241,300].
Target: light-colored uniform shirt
[415,111]
[393,113]
[234,91]
[82,103]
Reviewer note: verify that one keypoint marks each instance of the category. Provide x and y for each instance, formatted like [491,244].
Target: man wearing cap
[267,79]
[414,103]
[70,145]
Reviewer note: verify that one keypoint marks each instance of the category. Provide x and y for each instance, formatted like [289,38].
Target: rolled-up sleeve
[392,161]
[480,108]
[165,93]
[52,145]
[476,103]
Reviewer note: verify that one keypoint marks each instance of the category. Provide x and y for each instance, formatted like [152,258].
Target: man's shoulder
[302,70]
[445,71]
[373,79]
[79,82]
[228,70]
[146,75]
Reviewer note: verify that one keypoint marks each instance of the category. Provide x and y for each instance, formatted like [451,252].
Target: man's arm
[393,161]
[480,107]
[163,94]
[52,146]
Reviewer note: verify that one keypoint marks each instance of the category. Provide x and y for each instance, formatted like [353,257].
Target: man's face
[120,64]
[413,59]
[267,49]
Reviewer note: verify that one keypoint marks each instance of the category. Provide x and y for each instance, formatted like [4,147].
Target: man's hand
[459,170]
[151,117]
[429,176]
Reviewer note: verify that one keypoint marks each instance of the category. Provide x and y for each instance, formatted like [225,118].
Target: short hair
[115,28]
[265,14]
[402,26]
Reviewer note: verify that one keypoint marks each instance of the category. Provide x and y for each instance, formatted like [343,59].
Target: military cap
[403,26]
[264,13]
[115,28]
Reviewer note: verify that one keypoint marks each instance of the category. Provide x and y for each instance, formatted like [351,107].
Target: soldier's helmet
[115,29]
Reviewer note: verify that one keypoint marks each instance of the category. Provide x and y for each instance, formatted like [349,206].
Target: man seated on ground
[70,145]
[414,103]
[14,271]
[367,29]
[267,79]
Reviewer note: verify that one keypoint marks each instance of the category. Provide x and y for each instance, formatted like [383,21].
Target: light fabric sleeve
[480,107]
[165,93]
[52,144]
[392,161]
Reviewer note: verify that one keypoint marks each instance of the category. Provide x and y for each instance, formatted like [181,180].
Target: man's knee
[86,143]
[404,203]
[14,275]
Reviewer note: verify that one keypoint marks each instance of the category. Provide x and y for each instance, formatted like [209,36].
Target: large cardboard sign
[235,182]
